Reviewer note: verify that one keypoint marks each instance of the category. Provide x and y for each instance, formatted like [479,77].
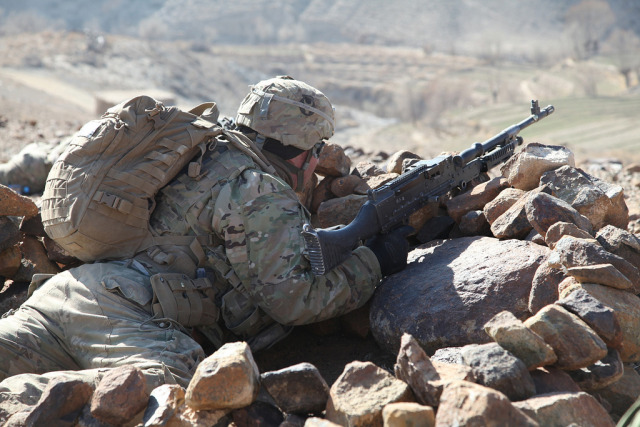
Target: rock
[602,274]
[525,168]
[366,169]
[34,260]
[513,223]
[339,211]
[165,402]
[601,202]
[321,193]
[622,393]
[536,238]
[10,234]
[475,199]
[573,252]
[394,163]
[552,380]
[419,218]
[404,414]
[414,367]
[10,261]
[13,204]
[626,307]
[503,201]
[437,227]
[257,414]
[227,379]
[473,223]
[298,389]
[553,323]
[544,210]
[495,367]
[512,335]
[449,355]
[293,420]
[566,409]
[32,226]
[120,395]
[60,403]
[593,312]
[467,404]
[333,161]
[319,422]
[559,229]
[189,417]
[544,287]
[601,374]
[350,184]
[361,392]
[457,279]
[12,296]
[620,242]
[379,180]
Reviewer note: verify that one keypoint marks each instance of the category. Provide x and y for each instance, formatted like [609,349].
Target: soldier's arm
[260,220]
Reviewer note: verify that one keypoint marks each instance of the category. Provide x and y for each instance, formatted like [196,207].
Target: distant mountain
[452,25]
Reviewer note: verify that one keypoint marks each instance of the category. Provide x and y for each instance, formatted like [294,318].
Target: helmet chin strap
[287,170]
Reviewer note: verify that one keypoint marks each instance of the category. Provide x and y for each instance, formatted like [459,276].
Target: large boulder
[601,202]
[449,291]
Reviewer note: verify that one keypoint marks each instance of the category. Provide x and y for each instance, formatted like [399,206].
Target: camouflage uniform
[83,321]
[257,250]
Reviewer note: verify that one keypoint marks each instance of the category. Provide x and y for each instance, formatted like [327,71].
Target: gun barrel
[501,139]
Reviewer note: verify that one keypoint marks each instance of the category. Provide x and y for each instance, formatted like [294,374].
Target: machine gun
[425,181]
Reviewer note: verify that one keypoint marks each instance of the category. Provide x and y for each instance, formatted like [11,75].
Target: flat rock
[626,307]
[361,392]
[458,279]
[559,229]
[553,323]
[573,252]
[604,372]
[553,380]
[404,414]
[14,204]
[544,210]
[622,393]
[512,335]
[495,367]
[566,409]
[525,168]
[601,318]
[620,242]
[601,202]
[602,274]
[338,211]
[467,404]
[414,367]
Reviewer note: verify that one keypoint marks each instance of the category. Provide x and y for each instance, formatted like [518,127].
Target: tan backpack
[99,194]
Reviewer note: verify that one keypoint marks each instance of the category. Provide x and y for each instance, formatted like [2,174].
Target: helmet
[289,111]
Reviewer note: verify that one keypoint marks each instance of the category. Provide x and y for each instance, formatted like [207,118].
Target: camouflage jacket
[255,220]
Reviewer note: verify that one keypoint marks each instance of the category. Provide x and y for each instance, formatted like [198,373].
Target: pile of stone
[518,306]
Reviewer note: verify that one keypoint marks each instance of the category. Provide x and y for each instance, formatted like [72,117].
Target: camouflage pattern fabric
[84,321]
[255,220]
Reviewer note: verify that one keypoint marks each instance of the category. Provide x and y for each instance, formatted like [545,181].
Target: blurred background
[422,75]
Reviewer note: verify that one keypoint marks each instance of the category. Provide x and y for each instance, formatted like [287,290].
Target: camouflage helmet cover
[289,111]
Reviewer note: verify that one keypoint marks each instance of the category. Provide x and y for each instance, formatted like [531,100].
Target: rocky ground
[545,336]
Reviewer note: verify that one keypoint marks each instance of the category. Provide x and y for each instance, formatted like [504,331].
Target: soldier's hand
[391,249]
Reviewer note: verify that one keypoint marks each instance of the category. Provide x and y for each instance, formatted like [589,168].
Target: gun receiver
[425,181]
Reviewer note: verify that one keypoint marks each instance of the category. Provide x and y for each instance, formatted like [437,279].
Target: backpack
[99,194]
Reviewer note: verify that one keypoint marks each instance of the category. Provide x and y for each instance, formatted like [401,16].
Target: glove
[391,249]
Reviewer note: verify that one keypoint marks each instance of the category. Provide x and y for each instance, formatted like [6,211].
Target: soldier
[253,258]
